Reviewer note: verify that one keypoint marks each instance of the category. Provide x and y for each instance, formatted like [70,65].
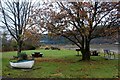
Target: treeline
[11,45]
[31,42]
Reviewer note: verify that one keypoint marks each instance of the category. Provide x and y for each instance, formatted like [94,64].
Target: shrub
[13,60]
[22,56]
[28,47]
[47,47]
[55,48]
[32,47]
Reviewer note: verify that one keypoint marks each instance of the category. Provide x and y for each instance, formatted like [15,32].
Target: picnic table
[108,54]
[93,52]
[37,54]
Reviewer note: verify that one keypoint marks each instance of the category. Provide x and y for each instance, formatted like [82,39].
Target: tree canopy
[80,22]
[16,18]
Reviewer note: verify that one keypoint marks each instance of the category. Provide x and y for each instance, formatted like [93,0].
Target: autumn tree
[80,22]
[32,37]
[16,16]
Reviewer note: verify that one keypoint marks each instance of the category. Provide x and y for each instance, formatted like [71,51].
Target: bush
[47,48]
[22,56]
[28,47]
[14,61]
[55,48]
[32,48]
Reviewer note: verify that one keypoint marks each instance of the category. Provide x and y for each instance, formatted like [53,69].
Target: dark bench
[78,50]
[37,54]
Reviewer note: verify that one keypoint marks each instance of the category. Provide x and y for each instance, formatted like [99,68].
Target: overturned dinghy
[22,64]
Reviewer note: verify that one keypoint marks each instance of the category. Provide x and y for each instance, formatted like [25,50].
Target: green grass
[61,64]
[0,63]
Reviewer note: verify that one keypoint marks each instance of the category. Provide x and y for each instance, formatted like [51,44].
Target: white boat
[22,64]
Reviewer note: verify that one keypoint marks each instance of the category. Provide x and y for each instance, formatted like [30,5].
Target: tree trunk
[86,55]
[19,47]
[86,52]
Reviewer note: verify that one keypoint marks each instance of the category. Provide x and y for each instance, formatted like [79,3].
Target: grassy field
[61,64]
[0,67]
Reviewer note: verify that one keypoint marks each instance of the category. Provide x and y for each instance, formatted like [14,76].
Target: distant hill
[57,40]
[61,40]
[103,41]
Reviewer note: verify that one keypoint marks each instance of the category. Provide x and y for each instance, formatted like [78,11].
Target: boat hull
[24,64]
